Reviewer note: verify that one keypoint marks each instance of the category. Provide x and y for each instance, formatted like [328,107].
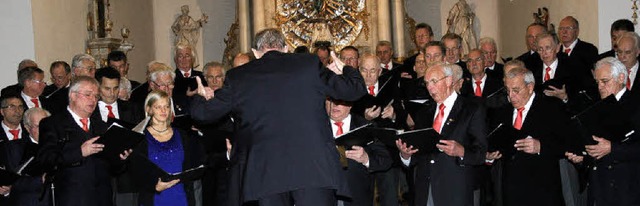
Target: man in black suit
[618,27]
[446,178]
[453,44]
[613,176]
[60,78]
[628,52]
[31,80]
[28,189]
[11,139]
[184,58]
[530,57]
[14,89]
[81,65]
[384,52]
[582,55]
[530,170]
[118,60]
[68,149]
[412,82]
[110,109]
[481,84]
[490,52]
[361,161]
[272,112]
[423,35]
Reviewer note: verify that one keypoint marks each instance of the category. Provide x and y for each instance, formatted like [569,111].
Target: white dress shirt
[8,134]
[77,118]
[483,80]
[527,107]
[27,100]
[104,112]
[573,45]
[552,73]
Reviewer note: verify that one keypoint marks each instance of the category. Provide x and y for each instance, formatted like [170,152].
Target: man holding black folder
[445,177]
[362,160]
[613,175]
[284,152]
[69,150]
[531,151]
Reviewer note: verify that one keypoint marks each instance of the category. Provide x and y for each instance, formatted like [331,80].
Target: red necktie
[518,123]
[35,101]
[547,74]
[371,90]
[629,80]
[478,89]
[186,75]
[110,115]
[437,123]
[567,50]
[85,124]
[386,67]
[339,131]
[15,133]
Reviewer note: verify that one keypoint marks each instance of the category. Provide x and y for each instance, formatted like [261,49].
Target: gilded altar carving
[338,21]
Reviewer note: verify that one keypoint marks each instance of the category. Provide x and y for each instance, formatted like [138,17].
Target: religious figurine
[460,21]
[542,17]
[186,29]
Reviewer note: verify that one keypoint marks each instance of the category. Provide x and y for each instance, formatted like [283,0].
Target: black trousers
[302,197]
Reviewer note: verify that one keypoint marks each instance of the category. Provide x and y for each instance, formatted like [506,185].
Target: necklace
[165,129]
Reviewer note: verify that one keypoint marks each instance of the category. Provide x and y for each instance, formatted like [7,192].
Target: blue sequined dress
[169,156]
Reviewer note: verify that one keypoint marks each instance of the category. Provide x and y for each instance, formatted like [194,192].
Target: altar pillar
[399,47]
[244,25]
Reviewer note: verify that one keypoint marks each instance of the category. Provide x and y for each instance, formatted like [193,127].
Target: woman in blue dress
[173,151]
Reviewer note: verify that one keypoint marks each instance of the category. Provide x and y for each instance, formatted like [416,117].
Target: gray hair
[125,84]
[487,40]
[448,70]
[554,38]
[79,80]
[27,74]
[77,60]
[616,66]
[26,119]
[269,39]
[369,55]
[631,35]
[153,76]
[26,63]
[514,62]
[521,71]
[384,43]
[457,71]
[214,64]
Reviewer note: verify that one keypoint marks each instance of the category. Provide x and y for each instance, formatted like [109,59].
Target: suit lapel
[451,120]
[532,114]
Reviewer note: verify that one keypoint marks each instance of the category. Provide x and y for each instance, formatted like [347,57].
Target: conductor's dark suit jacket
[282,140]
[78,180]
[451,178]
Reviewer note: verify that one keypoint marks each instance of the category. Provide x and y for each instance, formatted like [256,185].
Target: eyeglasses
[170,85]
[89,95]
[38,81]
[569,28]
[14,107]
[434,81]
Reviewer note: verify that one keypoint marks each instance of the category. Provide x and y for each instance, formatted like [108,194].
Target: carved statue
[186,29]
[460,21]
[542,17]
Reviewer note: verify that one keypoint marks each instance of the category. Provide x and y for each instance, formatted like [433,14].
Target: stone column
[399,47]
[384,20]
[258,15]
[244,24]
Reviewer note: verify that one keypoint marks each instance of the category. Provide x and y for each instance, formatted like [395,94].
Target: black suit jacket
[530,60]
[182,84]
[610,53]
[49,89]
[359,177]
[534,179]
[128,112]
[11,153]
[451,178]
[583,56]
[613,178]
[78,180]
[13,90]
[28,189]
[57,102]
[276,100]
[491,85]
[498,70]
